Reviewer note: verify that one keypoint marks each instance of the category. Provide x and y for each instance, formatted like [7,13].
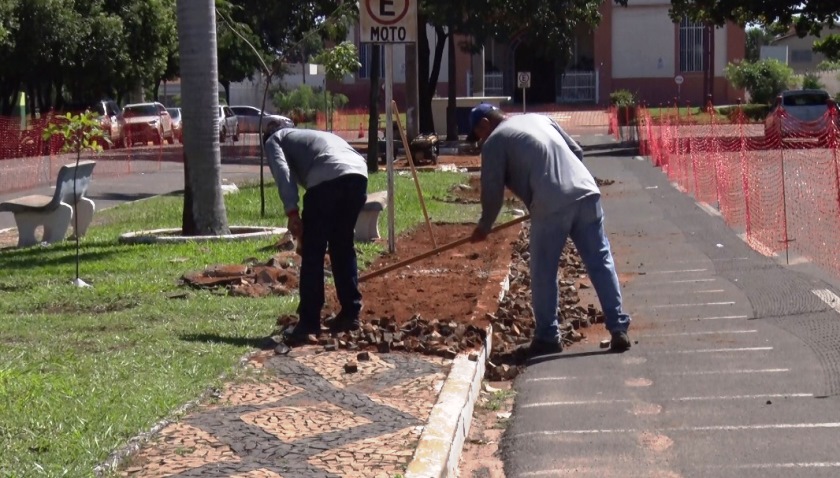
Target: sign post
[388,22]
[523,80]
[679,81]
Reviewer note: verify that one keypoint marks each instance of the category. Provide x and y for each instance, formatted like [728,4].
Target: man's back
[529,155]
[317,156]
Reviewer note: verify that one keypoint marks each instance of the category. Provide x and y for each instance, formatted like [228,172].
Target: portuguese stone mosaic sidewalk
[302,415]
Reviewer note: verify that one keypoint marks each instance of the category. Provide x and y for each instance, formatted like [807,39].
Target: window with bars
[365,56]
[692,36]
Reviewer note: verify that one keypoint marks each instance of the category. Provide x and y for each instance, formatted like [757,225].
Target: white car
[146,122]
[249,120]
[228,124]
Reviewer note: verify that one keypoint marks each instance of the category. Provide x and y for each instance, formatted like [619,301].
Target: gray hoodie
[309,158]
[530,155]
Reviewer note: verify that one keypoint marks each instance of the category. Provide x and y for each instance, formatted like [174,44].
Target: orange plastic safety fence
[780,185]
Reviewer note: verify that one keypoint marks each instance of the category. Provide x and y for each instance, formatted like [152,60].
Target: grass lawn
[82,370]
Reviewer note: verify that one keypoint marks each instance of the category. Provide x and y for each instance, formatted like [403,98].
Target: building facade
[638,48]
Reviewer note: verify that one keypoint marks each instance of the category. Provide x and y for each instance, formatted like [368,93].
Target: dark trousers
[329,216]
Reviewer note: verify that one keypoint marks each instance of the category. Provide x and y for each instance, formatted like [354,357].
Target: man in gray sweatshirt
[334,176]
[542,165]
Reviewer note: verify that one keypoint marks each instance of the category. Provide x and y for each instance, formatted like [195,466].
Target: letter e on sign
[388,21]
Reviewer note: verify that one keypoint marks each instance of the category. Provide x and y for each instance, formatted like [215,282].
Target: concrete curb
[439,452]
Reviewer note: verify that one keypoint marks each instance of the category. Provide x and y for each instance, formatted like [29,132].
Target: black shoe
[620,342]
[343,323]
[297,335]
[538,348]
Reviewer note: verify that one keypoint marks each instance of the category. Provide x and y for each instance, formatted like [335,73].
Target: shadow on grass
[262,343]
[121,197]
[57,254]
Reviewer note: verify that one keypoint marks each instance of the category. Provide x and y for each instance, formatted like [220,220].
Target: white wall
[642,43]
[720,50]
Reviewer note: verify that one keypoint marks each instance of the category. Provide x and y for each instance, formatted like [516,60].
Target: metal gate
[577,87]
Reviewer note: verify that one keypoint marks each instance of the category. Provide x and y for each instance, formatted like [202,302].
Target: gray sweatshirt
[309,158]
[530,155]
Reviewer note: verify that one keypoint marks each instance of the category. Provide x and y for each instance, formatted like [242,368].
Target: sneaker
[343,323]
[539,347]
[297,335]
[620,341]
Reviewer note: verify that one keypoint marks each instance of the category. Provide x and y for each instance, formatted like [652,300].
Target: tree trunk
[157,90]
[451,104]
[226,86]
[373,110]
[427,124]
[200,97]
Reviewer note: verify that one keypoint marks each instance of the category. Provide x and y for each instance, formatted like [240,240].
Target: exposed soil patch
[470,193]
[444,287]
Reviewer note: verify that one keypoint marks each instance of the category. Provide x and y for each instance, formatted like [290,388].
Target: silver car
[799,113]
[228,124]
[249,120]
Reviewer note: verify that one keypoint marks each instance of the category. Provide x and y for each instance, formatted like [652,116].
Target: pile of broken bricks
[512,324]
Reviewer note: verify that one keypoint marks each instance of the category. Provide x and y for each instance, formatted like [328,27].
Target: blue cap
[477,114]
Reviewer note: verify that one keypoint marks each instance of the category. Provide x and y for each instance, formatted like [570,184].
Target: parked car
[799,113]
[249,119]
[228,124]
[177,127]
[148,122]
[110,117]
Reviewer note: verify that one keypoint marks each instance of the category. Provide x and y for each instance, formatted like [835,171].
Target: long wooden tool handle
[438,250]
[413,171]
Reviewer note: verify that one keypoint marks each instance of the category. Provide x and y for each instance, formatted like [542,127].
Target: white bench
[367,224]
[55,213]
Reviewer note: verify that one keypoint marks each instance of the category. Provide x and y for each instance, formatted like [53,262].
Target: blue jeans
[329,216]
[584,223]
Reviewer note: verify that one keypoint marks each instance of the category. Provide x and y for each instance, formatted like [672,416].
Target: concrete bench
[55,213]
[367,224]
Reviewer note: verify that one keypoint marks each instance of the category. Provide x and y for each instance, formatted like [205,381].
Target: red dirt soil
[444,286]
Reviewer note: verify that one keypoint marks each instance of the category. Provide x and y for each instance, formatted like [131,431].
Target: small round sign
[524,79]
[679,79]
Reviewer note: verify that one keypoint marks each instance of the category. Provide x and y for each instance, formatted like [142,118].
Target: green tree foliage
[763,79]
[810,16]
[811,81]
[829,46]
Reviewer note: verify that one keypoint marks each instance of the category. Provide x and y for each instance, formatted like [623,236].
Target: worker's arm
[493,164]
[572,143]
[284,176]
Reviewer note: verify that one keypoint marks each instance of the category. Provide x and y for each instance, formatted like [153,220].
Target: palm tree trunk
[200,97]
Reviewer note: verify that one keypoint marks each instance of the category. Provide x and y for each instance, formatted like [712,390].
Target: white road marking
[765,466]
[710,428]
[689,334]
[829,298]
[728,372]
[692,372]
[677,271]
[744,397]
[704,304]
[708,209]
[709,351]
[720,317]
[671,282]
[550,379]
[660,292]
[640,158]
[675,399]
[723,317]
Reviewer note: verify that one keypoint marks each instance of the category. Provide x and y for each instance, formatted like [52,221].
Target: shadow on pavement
[263,343]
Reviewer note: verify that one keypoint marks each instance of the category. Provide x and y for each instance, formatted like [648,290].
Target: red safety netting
[27,161]
[777,182]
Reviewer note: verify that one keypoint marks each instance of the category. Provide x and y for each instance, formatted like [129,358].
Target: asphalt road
[148,180]
[736,369]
